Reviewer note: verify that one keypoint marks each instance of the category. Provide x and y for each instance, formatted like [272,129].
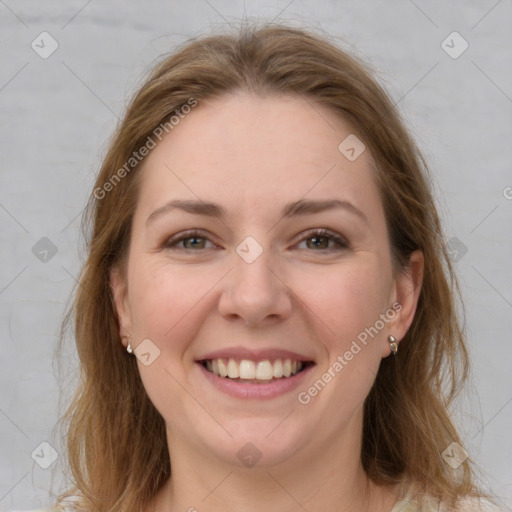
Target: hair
[116,439]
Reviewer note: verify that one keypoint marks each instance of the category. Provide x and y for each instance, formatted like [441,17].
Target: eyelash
[172,242]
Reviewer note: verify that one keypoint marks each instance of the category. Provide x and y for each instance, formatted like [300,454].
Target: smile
[249,371]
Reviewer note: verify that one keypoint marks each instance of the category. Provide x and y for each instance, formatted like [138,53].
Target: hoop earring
[128,347]
[393,345]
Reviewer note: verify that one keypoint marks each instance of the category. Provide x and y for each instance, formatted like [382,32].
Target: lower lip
[268,390]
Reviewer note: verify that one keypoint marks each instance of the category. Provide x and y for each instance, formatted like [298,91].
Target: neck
[332,479]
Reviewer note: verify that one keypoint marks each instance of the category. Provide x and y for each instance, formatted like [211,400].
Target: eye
[321,239]
[196,238]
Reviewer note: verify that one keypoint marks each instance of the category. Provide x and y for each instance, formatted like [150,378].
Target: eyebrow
[296,208]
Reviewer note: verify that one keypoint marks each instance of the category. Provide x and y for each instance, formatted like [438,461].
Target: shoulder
[408,504]
[69,503]
[36,510]
[50,509]
[477,505]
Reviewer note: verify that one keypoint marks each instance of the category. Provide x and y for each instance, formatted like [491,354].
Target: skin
[252,155]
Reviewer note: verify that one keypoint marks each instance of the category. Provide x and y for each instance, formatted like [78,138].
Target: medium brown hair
[116,438]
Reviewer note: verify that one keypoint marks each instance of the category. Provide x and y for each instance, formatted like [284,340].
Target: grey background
[58,113]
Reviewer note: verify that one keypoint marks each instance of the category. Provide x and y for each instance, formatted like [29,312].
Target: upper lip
[255,355]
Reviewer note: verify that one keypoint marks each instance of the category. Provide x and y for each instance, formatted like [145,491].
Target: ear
[119,290]
[406,294]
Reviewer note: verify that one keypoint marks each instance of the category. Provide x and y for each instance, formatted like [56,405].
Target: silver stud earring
[129,347]
[393,345]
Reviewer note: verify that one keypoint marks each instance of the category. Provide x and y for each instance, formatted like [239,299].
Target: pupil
[317,238]
[193,238]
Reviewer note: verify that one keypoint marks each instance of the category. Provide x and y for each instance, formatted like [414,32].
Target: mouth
[263,373]
[250,371]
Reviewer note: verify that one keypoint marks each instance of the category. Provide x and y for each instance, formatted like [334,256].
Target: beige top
[400,506]
[408,504]
[405,504]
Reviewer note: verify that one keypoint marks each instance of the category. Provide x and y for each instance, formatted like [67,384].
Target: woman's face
[255,290]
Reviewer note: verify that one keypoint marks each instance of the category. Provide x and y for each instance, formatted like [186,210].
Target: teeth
[264,370]
[250,370]
[233,369]
[278,368]
[247,369]
[223,370]
[287,368]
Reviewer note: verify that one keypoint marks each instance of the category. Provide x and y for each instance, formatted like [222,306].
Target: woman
[266,317]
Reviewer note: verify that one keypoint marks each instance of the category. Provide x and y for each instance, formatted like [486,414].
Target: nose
[255,292]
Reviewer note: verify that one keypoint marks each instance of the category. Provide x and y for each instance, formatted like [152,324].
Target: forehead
[255,153]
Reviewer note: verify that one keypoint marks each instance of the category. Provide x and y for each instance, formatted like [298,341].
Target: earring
[129,347]
[393,345]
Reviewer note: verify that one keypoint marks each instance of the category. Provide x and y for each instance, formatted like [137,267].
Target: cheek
[165,298]
[347,299]
[166,303]
[344,307]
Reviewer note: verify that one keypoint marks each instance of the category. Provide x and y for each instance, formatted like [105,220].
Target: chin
[261,442]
